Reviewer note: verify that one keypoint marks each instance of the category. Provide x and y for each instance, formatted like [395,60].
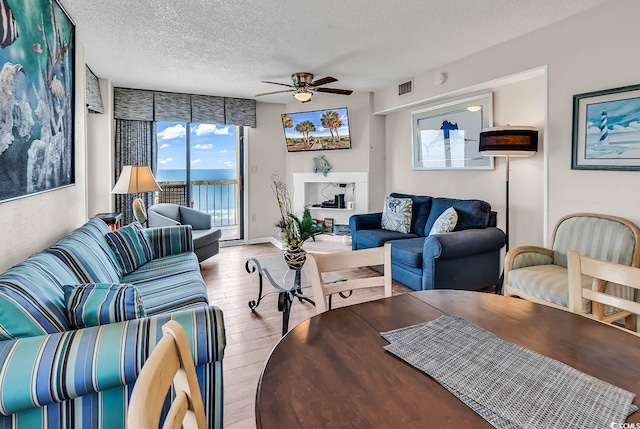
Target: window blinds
[135,104]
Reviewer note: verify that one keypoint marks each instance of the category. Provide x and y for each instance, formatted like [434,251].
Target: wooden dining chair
[322,263]
[602,273]
[169,363]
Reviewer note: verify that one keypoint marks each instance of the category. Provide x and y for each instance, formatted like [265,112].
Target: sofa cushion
[368,238]
[169,283]
[396,214]
[419,211]
[131,246]
[446,222]
[408,252]
[471,213]
[88,255]
[96,304]
[31,297]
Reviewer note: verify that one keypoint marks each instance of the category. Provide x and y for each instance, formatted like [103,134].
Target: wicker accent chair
[540,275]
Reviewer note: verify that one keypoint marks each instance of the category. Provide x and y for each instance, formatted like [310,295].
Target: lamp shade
[509,141]
[303,96]
[135,179]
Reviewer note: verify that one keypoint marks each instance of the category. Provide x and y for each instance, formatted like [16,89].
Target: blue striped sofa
[54,376]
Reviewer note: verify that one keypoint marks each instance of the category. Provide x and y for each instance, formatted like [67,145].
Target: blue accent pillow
[131,245]
[396,214]
[96,304]
[472,214]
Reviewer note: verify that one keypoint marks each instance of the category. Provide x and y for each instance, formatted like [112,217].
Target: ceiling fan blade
[274,92]
[335,91]
[323,81]
[277,83]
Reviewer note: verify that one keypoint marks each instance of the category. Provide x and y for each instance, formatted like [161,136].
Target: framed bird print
[37,50]
[446,136]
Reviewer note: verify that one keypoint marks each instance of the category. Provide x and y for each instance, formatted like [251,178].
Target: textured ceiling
[227,47]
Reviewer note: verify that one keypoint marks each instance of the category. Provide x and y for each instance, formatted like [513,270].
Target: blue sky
[212,146]
[314,116]
[622,116]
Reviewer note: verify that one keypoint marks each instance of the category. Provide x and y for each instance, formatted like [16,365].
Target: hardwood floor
[252,335]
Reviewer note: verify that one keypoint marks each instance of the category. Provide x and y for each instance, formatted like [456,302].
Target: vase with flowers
[296,230]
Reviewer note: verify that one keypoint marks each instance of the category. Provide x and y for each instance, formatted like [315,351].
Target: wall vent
[405,88]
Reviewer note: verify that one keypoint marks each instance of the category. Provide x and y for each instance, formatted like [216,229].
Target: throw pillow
[96,304]
[396,214]
[131,245]
[446,222]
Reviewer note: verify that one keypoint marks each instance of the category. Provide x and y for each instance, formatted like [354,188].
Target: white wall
[32,223]
[100,159]
[266,155]
[592,51]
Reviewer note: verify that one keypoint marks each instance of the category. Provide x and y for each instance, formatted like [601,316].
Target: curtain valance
[94,98]
[141,105]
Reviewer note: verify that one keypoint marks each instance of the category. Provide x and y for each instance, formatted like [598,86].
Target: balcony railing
[216,197]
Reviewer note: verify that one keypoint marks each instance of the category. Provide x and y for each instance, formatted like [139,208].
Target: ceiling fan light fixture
[303,95]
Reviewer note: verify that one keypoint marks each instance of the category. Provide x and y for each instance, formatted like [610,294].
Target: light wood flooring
[252,335]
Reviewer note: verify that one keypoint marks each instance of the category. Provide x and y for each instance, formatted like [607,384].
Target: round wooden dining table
[331,371]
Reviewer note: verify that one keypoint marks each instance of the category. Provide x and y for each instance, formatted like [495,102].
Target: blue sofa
[467,258]
[57,376]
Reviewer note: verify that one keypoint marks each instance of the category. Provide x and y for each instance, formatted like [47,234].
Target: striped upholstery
[131,245]
[597,238]
[88,256]
[96,304]
[169,283]
[56,377]
[102,378]
[545,277]
[31,297]
[170,240]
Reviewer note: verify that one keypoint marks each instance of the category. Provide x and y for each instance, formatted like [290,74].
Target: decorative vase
[295,257]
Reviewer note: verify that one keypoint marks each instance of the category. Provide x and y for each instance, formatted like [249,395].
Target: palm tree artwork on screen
[325,129]
[305,128]
[331,120]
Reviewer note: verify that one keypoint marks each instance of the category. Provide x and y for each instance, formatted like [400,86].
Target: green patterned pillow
[446,222]
[96,304]
[396,214]
[132,246]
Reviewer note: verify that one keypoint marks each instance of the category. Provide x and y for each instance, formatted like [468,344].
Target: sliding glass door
[199,166]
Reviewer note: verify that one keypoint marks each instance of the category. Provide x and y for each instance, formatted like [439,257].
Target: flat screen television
[317,130]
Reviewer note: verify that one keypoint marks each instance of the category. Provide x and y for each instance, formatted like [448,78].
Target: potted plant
[297,230]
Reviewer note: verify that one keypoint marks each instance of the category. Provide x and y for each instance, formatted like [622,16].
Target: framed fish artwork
[446,136]
[606,129]
[37,83]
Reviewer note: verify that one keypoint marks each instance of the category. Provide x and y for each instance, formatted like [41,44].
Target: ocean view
[218,200]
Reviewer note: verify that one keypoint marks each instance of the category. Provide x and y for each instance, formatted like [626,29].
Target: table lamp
[508,141]
[135,179]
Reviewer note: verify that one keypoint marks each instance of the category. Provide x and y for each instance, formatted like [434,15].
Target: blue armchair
[206,240]
[467,258]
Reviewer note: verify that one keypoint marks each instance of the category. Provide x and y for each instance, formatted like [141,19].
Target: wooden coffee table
[332,370]
[288,284]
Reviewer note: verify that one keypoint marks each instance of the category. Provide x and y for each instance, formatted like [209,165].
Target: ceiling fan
[304,86]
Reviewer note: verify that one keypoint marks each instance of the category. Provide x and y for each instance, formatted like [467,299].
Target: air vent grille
[405,88]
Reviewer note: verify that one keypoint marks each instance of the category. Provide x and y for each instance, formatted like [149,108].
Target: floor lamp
[135,179]
[509,142]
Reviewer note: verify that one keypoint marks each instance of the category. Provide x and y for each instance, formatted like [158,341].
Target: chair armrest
[170,240]
[195,218]
[463,243]
[41,370]
[527,256]
[156,220]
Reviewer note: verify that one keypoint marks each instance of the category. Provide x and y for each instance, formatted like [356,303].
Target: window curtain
[135,144]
